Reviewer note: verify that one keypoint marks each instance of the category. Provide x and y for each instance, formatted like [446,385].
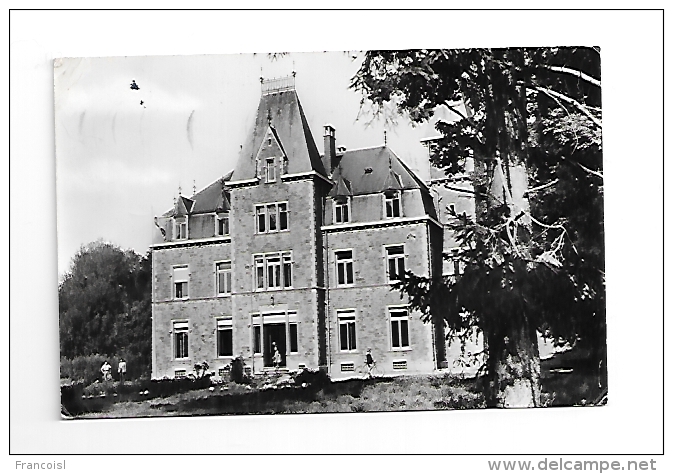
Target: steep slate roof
[353,166]
[183,206]
[291,128]
[392,182]
[342,186]
[376,170]
[210,199]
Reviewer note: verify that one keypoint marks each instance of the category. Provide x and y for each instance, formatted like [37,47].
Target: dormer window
[222,224]
[181,229]
[270,170]
[341,210]
[393,204]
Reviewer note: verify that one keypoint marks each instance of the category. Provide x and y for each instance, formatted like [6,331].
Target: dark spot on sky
[114,125]
[190,132]
[81,122]
[134,86]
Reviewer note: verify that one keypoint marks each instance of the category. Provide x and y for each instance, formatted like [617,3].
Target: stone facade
[303,263]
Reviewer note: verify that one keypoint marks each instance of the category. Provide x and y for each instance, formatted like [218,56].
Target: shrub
[85,369]
[237,373]
[201,369]
[315,378]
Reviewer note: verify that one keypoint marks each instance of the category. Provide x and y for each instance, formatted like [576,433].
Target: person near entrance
[276,356]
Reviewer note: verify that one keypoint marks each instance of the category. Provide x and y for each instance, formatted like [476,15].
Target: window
[393,205]
[273,271]
[223,270]
[270,170]
[344,267]
[347,367]
[399,365]
[181,282]
[181,229]
[294,346]
[272,212]
[222,224]
[257,339]
[259,271]
[180,340]
[271,217]
[260,211]
[395,262]
[346,321]
[225,344]
[399,328]
[456,267]
[287,269]
[341,210]
[282,215]
[180,373]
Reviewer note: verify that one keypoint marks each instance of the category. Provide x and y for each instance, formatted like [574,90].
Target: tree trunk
[513,378]
[513,365]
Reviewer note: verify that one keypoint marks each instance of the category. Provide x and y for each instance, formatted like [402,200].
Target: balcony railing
[277,84]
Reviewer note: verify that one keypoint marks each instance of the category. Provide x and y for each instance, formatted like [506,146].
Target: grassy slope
[433,392]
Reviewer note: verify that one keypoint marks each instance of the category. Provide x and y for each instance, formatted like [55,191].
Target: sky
[120,162]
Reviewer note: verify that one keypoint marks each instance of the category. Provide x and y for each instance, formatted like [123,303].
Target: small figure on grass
[106,371]
[121,369]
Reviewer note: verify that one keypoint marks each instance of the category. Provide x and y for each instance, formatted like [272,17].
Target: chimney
[329,157]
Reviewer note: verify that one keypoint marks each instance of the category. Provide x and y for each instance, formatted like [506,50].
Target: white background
[631,44]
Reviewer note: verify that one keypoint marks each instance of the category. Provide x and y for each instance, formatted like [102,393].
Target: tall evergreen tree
[533,253]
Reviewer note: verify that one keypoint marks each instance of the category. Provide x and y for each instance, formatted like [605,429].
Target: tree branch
[538,188]
[455,111]
[588,170]
[565,98]
[576,73]
[461,190]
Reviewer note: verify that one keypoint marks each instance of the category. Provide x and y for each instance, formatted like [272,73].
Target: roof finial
[268,116]
[294,73]
[179,190]
[261,74]
[385,138]
[194,187]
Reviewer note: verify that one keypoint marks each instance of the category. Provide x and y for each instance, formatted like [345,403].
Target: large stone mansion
[297,251]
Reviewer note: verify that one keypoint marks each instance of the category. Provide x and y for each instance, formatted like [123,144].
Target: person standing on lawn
[122,370]
[105,370]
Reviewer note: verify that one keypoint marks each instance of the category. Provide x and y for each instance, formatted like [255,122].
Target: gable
[270,146]
[280,114]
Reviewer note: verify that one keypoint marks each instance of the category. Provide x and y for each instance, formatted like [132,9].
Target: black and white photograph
[330,232]
[268,239]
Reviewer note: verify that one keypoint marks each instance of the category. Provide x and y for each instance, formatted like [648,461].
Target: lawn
[565,382]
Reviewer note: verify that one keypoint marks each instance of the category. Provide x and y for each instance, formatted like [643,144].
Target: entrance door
[274,333]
